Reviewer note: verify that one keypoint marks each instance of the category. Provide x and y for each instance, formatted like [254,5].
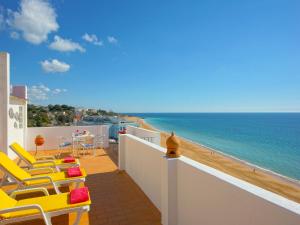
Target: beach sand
[267,180]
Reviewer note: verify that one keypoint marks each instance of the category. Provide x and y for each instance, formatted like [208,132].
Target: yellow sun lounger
[32,162]
[44,207]
[24,179]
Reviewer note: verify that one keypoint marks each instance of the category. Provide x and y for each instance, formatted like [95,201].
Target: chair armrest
[47,161]
[26,167]
[50,170]
[26,207]
[29,190]
[45,157]
[44,161]
[43,178]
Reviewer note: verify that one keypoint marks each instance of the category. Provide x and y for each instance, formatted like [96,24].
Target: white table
[80,138]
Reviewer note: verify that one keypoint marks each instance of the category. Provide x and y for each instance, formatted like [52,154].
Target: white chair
[99,141]
[63,144]
[86,144]
[94,143]
[78,141]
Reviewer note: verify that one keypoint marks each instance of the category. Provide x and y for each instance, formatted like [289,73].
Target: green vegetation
[58,115]
[51,115]
[101,112]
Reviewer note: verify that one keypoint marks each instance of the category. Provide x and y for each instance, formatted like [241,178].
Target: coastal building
[92,110]
[141,182]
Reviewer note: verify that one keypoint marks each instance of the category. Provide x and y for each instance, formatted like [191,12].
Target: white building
[13,110]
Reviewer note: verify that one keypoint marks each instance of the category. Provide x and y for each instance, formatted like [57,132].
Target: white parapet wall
[142,159]
[189,193]
[53,135]
[148,135]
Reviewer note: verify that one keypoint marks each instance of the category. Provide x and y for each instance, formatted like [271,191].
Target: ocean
[268,140]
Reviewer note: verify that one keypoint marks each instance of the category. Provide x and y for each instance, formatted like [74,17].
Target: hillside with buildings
[64,115]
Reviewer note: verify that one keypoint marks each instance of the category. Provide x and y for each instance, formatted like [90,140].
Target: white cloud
[92,38]
[42,92]
[14,35]
[55,66]
[65,45]
[57,91]
[44,88]
[39,92]
[112,40]
[35,19]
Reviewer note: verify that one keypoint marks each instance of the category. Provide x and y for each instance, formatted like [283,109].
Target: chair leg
[47,219]
[56,188]
[4,179]
[59,152]
[78,217]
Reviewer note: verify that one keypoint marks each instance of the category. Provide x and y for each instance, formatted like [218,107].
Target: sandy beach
[262,178]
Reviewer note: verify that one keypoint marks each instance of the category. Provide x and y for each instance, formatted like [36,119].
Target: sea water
[269,140]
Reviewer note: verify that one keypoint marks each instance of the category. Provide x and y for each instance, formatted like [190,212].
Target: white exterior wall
[53,135]
[4,99]
[12,128]
[190,193]
[16,127]
[152,136]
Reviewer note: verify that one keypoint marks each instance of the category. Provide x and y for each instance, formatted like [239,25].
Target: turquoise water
[269,140]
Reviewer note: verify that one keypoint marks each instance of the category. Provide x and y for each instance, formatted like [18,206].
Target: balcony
[116,198]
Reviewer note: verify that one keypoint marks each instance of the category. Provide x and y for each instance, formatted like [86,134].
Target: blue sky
[156,56]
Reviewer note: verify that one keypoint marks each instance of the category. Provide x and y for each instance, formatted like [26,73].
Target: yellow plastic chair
[33,162]
[45,207]
[24,179]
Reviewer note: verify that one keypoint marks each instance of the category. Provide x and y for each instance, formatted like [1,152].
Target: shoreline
[254,174]
[246,163]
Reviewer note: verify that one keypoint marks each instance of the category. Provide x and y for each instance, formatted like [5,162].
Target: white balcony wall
[53,135]
[142,161]
[208,196]
[148,135]
[189,193]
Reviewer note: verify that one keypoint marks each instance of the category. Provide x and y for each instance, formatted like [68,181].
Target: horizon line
[217,112]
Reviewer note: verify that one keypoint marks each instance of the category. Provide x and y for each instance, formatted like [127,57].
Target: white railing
[189,193]
[53,135]
[148,135]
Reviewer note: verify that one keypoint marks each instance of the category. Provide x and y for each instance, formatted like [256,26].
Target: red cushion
[69,159]
[74,172]
[79,195]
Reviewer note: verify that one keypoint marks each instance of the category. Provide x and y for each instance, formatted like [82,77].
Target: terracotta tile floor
[116,199]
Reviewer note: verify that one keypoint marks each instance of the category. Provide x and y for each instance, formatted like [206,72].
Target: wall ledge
[255,190]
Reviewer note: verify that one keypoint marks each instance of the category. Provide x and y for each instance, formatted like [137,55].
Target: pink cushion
[79,195]
[69,159]
[74,172]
